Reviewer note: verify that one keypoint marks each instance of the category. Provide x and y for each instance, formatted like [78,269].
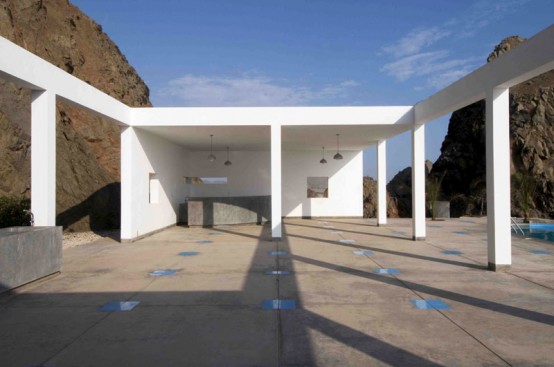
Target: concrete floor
[210,312]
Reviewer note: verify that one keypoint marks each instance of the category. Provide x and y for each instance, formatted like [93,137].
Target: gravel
[73,239]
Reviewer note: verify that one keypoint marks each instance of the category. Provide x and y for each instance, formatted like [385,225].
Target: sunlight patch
[452,252]
[276,253]
[431,304]
[188,253]
[387,271]
[161,273]
[365,252]
[279,304]
[116,306]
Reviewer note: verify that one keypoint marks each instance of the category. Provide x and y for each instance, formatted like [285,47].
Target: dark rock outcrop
[532,147]
[400,190]
[88,147]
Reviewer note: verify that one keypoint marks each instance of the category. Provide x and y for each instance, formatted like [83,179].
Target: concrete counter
[228,210]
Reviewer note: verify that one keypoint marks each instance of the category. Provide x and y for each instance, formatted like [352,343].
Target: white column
[127,218]
[382,182]
[418,182]
[276,225]
[498,179]
[43,157]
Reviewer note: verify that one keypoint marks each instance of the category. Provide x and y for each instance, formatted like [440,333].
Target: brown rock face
[532,147]
[88,147]
[370,200]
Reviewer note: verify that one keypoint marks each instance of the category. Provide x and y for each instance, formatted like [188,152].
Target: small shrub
[13,211]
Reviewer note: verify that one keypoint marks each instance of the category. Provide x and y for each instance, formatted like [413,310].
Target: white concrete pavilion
[275,149]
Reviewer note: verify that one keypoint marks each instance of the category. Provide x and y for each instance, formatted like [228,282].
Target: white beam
[276,188]
[529,59]
[418,182]
[498,179]
[43,158]
[286,116]
[30,71]
[382,182]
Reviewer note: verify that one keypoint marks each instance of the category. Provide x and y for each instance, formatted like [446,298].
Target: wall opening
[318,187]
[154,189]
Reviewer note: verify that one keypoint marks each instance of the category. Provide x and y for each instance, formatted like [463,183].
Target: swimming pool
[541,231]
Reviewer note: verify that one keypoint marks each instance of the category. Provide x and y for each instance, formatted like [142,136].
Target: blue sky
[313,53]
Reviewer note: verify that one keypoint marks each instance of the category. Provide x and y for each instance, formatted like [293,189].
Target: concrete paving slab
[209,313]
[177,336]
[377,335]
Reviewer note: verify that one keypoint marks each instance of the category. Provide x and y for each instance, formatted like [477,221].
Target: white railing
[516,226]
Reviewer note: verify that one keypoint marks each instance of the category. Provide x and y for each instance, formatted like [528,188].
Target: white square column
[418,182]
[128,221]
[382,182]
[499,237]
[43,157]
[276,225]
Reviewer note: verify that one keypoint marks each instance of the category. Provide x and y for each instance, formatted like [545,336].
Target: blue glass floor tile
[118,306]
[214,234]
[431,304]
[159,273]
[460,232]
[452,252]
[398,232]
[275,253]
[279,304]
[277,272]
[387,271]
[204,241]
[188,253]
[541,252]
[349,242]
[362,252]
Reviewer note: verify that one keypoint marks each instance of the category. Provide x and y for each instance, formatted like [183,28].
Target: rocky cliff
[87,146]
[370,200]
[532,148]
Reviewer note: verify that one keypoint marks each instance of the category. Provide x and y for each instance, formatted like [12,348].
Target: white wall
[249,175]
[345,184]
[144,154]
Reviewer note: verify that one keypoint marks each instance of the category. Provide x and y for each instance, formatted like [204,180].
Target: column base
[381,224]
[276,238]
[418,238]
[499,268]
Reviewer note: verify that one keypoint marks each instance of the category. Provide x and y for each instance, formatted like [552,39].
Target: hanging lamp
[211,157]
[337,156]
[227,162]
[323,160]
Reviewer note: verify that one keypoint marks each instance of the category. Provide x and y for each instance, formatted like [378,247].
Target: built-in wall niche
[318,187]
[205,180]
[153,189]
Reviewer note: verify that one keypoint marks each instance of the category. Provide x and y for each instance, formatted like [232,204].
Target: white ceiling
[253,138]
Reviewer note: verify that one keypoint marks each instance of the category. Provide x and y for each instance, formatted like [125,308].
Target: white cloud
[413,56]
[195,90]
[415,41]
[424,64]
[442,79]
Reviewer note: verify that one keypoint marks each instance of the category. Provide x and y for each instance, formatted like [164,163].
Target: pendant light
[211,157]
[337,156]
[227,162]
[323,160]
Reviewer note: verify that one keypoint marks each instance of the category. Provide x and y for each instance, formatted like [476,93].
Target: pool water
[541,231]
